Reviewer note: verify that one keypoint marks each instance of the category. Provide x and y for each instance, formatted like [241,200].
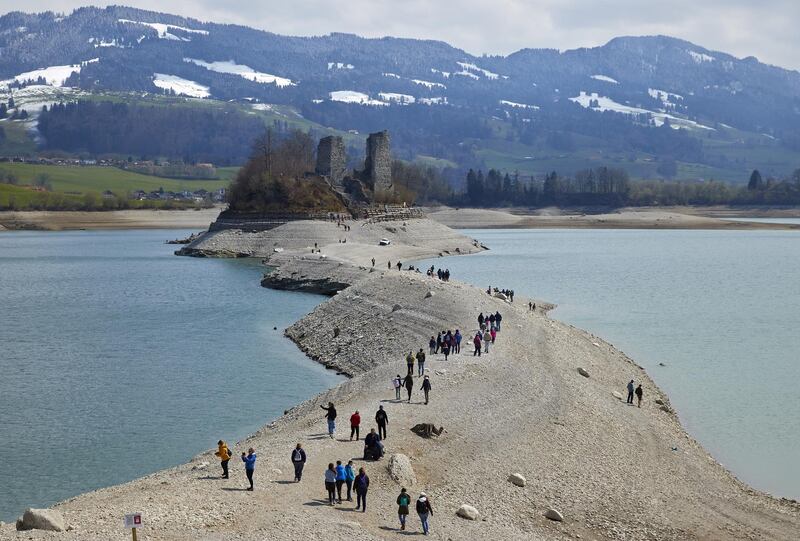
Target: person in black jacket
[373,448]
[382,420]
[409,385]
[331,416]
[299,461]
[361,484]
[426,388]
[497,319]
[424,510]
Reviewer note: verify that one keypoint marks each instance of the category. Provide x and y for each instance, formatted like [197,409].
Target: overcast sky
[766,29]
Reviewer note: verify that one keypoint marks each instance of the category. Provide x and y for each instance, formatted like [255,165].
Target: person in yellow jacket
[224,454]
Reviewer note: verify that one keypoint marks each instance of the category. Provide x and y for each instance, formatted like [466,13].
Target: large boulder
[501,296]
[517,479]
[401,470]
[468,512]
[617,395]
[41,519]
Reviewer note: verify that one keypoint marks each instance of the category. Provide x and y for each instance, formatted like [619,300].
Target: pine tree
[756,182]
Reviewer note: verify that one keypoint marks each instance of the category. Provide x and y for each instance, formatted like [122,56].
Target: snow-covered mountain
[543,99]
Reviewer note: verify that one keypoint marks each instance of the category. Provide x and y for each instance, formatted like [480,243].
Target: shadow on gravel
[210,478]
[316,503]
[233,489]
[284,482]
[399,531]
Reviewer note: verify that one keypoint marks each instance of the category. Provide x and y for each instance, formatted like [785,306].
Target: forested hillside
[656,107]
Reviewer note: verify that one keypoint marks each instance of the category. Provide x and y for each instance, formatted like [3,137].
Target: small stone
[659,401]
[468,512]
[396,307]
[554,514]
[200,466]
[517,479]
[429,294]
[582,371]
[665,408]
[276,471]
[617,395]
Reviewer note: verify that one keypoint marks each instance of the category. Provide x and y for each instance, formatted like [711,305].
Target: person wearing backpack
[224,453]
[249,465]
[341,477]
[403,501]
[299,461]
[424,510]
[362,484]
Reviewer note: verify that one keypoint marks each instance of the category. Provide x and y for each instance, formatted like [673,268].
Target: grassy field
[84,179]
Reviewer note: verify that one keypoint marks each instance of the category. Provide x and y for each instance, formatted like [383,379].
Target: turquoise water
[721,309]
[119,359]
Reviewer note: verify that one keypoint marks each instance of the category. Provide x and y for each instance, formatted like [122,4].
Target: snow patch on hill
[246,72]
[351,96]
[340,66]
[392,75]
[445,74]
[442,100]
[472,68]
[466,73]
[54,75]
[164,30]
[699,58]
[428,84]
[404,99]
[603,103]
[519,105]
[181,86]
[605,79]
[667,98]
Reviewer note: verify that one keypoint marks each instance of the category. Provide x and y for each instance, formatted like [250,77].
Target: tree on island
[756,182]
[275,178]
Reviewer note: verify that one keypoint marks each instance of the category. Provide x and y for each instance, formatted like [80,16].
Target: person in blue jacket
[341,477]
[350,476]
[249,460]
[630,392]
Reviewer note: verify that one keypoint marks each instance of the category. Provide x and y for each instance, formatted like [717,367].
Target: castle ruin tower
[332,160]
[378,165]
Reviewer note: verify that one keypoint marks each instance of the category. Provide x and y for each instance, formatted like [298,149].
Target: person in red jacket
[355,423]
[477,342]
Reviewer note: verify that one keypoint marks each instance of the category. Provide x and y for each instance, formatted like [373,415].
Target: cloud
[764,29]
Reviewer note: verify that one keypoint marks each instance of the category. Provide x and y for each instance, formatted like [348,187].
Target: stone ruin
[378,165]
[332,160]
[361,187]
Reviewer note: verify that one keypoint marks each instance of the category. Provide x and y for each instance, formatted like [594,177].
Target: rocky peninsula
[521,415]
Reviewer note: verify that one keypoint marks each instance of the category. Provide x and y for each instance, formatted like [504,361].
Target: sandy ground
[118,219]
[615,471]
[627,218]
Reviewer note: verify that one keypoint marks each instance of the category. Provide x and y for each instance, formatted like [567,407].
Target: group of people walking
[446,342]
[339,476]
[638,391]
[443,275]
[423,508]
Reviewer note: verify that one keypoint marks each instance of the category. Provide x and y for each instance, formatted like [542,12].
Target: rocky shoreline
[526,433]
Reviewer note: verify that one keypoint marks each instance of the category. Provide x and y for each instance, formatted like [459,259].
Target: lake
[721,309]
[119,359]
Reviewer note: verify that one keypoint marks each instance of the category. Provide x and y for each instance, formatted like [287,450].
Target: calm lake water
[118,359]
[721,309]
